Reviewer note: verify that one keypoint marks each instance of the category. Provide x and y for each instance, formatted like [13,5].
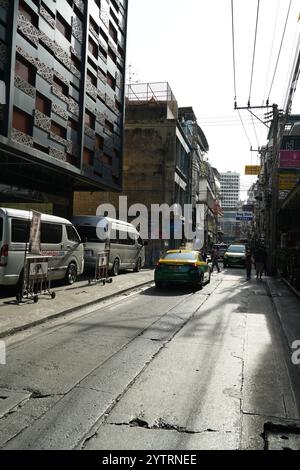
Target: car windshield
[237,249]
[180,256]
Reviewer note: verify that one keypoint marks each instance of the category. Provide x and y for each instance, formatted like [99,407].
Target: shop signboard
[289,159]
[287,181]
[252,170]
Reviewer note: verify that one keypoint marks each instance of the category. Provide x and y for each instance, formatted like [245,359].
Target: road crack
[161,425]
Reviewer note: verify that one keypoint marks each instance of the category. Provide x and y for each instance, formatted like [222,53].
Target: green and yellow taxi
[182,266]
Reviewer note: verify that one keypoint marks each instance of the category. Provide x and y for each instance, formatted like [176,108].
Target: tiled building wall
[66,98]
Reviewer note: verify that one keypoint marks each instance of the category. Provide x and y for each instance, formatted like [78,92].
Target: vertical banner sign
[35,234]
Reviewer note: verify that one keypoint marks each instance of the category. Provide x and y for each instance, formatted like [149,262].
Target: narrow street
[161,369]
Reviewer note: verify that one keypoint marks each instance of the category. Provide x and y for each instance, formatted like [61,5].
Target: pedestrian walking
[215,259]
[260,258]
[248,264]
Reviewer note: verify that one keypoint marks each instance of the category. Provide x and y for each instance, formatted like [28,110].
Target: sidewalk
[14,317]
[287,307]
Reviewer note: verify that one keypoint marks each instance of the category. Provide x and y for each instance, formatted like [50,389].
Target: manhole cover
[282,436]
[9,399]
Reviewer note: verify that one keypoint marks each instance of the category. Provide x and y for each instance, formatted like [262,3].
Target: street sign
[288,181]
[252,170]
[244,216]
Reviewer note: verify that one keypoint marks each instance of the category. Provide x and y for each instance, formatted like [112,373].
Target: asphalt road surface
[160,369]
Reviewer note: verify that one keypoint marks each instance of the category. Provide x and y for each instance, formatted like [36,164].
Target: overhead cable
[279,53]
[254,50]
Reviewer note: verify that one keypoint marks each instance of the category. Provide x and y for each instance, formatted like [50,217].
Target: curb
[297,293]
[279,317]
[25,327]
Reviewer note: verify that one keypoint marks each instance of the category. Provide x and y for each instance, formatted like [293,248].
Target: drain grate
[9,399]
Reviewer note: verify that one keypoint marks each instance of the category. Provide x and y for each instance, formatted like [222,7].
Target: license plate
[174,268]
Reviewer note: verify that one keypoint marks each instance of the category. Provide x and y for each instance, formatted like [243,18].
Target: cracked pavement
[170,369]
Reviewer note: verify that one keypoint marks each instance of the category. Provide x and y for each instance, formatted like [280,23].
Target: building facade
[230,189]
[63,67]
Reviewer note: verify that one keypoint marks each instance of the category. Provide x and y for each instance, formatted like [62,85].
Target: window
[94,25]
[113,32]
[99,142]
[75,61]
[87,156]
[113,16]
[42,104]
[90,119]
[22,121]
[58,130]
[107,160]
[25,70]
[20,230]
[29,14]
[92,78]
[73,124]
[41,148]
[51,233]
[93,48]
[63,27]
[112,55]
[102,33]
[111,81]
[72,234]
[61,86]
[109,126]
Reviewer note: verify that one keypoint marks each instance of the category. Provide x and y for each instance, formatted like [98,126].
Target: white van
[126,251]
[59,240]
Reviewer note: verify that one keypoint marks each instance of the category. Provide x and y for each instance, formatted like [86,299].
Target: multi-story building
[230,189]
[157,159]
[63,66]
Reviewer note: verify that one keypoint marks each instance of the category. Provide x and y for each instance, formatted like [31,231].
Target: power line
[233,51]
[279,53]
[244,128]
[254,49]
[271,52]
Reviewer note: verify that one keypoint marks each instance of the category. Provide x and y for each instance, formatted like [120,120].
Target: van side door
[74,248]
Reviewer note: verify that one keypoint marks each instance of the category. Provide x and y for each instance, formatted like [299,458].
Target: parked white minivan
[59,240]
[125,252]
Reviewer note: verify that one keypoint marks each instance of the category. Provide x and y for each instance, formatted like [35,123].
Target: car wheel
[138,266]
[71,274]
[199,285]
[116,267]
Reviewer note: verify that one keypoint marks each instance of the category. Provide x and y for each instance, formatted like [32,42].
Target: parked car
[222,247]
[235,256]
[59,240]
[126,248]
[182,266]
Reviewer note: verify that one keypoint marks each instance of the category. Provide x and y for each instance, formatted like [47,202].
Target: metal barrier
[101,269]
[35,279]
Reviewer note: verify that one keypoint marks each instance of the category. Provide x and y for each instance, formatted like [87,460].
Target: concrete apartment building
[62,64]
[230,189]
[230,196]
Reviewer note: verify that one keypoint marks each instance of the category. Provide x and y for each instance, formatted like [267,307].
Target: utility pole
[272,258]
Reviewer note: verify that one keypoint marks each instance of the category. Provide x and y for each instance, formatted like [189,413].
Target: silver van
[126,248]
[59,240]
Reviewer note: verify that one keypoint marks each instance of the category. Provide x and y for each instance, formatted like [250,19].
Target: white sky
[189,44]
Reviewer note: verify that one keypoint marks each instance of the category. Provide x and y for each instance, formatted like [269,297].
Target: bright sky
[189,44]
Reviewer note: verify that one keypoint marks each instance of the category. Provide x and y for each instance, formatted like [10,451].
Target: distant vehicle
[59,240]
[125,252]
[182,266]
[222,247]
[235,256]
